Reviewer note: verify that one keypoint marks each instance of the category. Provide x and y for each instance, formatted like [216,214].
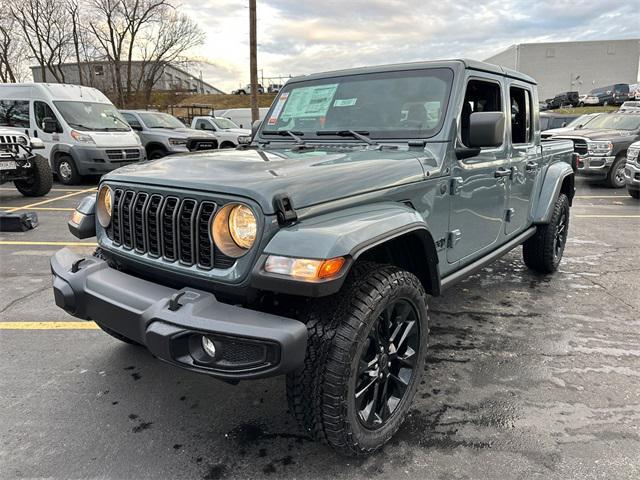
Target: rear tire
[543,252]
[67,171]
[41,181]
[365,357]
[615,177]
[227,145]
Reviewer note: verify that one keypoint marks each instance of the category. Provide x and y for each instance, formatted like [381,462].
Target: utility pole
[253,61]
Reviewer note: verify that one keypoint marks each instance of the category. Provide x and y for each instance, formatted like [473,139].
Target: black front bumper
[249,344]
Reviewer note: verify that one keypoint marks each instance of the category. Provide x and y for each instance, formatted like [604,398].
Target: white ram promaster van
[82,131]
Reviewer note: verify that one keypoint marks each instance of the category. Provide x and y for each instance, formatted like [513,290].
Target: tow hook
[75,266]
[174,304]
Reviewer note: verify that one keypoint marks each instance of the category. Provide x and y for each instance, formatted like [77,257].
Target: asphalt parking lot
[528,376]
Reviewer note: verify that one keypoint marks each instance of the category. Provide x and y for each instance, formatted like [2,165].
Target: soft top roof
[456,63]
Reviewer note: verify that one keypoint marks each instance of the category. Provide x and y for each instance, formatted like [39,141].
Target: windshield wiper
[79,125]
[284,133]
[360,135]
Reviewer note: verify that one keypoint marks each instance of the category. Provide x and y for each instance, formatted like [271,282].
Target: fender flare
[551,187]
[346,233]
[61,148]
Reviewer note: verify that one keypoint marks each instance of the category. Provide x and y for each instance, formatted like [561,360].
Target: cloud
[297,37]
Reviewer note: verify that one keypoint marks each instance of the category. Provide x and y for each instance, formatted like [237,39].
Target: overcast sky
[298,37]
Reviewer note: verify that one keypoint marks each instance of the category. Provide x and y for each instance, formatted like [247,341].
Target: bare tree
[12,48]
[167,43]
[44,30]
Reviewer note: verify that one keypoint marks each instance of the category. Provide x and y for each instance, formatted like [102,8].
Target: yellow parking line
[44,209]
[5,189]
[50,244]
[48,326]
[606,216]
[52,200]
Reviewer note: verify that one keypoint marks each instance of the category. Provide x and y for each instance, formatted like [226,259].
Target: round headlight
[23,140]
[242,226]
[105,205]
[234,229]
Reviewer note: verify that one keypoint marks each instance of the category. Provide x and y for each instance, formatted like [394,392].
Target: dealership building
[574,66]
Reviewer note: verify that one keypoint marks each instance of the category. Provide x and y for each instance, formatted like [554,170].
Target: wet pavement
[528,376]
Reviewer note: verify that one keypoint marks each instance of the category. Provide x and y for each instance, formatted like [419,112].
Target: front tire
[365,357]
[67,171]
[41,181]
[615,177]
[543,251]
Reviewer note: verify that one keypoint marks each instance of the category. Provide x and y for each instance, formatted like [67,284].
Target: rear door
[524,157]
[479,184]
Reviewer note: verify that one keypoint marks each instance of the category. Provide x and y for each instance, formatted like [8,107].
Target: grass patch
[584,110]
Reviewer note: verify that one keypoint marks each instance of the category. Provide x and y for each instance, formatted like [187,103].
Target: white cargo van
[81,129]
[240,116]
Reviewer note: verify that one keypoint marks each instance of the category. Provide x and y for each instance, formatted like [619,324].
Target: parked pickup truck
[312,252]
[224,130]
[162,134]
[602,146]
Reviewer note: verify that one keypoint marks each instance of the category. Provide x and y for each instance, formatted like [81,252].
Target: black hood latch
[284,209]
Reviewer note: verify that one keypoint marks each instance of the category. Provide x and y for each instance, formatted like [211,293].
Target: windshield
[160,120]
[616,122]
[406,104]
[224,123]
[581,121]
[95,117]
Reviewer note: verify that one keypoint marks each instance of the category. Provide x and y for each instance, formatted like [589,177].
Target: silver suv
[163,134]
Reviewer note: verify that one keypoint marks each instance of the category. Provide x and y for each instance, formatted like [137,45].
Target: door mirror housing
[49,125]
[486,129]
[255,127]
[36,143]
[137,128]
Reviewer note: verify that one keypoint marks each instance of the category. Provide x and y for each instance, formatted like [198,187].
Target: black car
[615,94]
[564,99]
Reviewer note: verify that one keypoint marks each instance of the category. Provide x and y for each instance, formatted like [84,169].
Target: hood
[309,178]
[237,131]
[600,134]
[114,139]
[185,132]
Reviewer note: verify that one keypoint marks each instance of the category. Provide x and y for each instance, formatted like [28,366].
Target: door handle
[502,172]
[531,166]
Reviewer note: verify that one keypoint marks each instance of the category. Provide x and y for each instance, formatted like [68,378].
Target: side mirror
[255,127]
[486,129]
[36,143]
[49,125]
[137,128]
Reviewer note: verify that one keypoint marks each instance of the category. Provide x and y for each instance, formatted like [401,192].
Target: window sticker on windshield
[310,101]
[273,119]
[345,102]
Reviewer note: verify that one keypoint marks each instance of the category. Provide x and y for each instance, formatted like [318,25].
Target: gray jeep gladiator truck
[312,252]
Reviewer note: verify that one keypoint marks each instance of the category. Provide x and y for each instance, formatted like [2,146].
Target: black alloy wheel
[387,364]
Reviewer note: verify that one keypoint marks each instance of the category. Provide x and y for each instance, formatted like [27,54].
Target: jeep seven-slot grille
[176,229]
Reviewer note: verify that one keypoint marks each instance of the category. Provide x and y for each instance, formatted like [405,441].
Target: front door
[41,111]
[524,159]
[479,184]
